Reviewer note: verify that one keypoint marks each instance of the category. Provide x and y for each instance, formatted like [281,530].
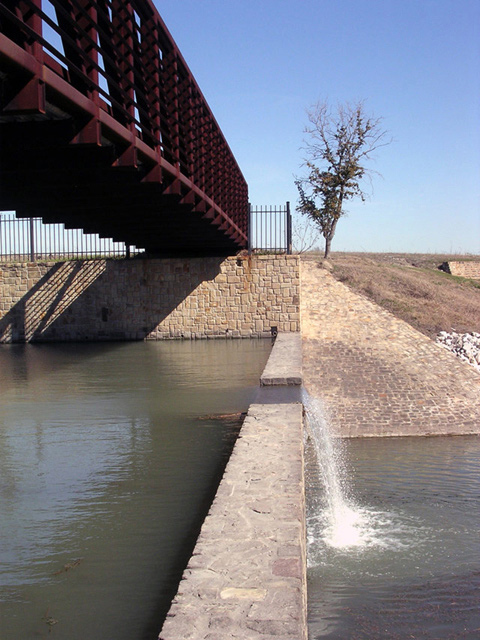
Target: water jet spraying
[340,521]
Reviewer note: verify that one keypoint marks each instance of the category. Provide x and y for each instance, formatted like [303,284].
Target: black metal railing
[29,240]
[270,229]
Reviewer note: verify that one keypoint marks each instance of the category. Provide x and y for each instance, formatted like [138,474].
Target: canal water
[110,455]
[405,563]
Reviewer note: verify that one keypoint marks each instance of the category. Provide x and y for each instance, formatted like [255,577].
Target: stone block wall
[17,283]
[149,299]
[465,269]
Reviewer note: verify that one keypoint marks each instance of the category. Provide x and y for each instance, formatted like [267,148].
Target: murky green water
[107,465]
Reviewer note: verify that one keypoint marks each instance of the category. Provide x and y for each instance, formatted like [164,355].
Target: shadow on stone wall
[103,299]
[48,299]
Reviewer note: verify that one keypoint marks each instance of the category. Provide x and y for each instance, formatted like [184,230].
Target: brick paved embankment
[376,374]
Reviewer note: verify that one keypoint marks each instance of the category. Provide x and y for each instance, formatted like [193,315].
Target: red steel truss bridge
[104,128]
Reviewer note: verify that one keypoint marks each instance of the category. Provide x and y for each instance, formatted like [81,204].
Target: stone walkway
[246,579]
[376,374]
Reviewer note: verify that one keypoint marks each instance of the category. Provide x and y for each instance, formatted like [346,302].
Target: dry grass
[413,288]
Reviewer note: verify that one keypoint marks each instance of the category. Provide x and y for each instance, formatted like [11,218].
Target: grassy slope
[413,288]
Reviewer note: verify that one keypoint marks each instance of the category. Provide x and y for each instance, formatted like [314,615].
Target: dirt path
[376,374]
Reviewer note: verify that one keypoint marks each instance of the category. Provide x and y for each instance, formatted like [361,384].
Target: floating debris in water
[49,620]
[68,566]
[223,416]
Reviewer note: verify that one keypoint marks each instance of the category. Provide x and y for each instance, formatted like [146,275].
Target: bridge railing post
[289,229]
[250,229]
[32,240]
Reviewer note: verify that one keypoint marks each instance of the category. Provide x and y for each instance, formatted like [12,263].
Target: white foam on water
[347,528]
[362,528]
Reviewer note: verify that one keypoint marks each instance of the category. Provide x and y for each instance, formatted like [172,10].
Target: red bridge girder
[103,127]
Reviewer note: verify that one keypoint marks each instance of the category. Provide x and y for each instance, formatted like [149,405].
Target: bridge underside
[42,174]
[127,149]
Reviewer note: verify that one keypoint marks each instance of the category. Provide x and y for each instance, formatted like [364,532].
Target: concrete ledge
[247,576]
[284,366]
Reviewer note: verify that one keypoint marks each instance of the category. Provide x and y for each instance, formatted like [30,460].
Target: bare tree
[340,144]
[304,234]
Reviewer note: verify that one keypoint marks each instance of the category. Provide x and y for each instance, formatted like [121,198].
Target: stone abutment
[156,299]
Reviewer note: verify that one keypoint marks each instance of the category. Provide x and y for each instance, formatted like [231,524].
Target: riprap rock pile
[465,345]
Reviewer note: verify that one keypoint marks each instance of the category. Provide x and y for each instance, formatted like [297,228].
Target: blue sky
[416,63]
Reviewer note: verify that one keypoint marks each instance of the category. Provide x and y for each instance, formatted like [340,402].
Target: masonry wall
[149,299]
[465,269]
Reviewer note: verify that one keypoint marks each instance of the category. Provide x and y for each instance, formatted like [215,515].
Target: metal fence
[28,239]
[270,229]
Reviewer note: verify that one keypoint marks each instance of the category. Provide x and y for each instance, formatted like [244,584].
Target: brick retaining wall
[465,269]
[149,299]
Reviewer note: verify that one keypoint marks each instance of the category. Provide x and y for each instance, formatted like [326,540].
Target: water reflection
[105,470]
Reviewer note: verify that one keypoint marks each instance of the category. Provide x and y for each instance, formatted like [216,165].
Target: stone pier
[246,579]
[284,366]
